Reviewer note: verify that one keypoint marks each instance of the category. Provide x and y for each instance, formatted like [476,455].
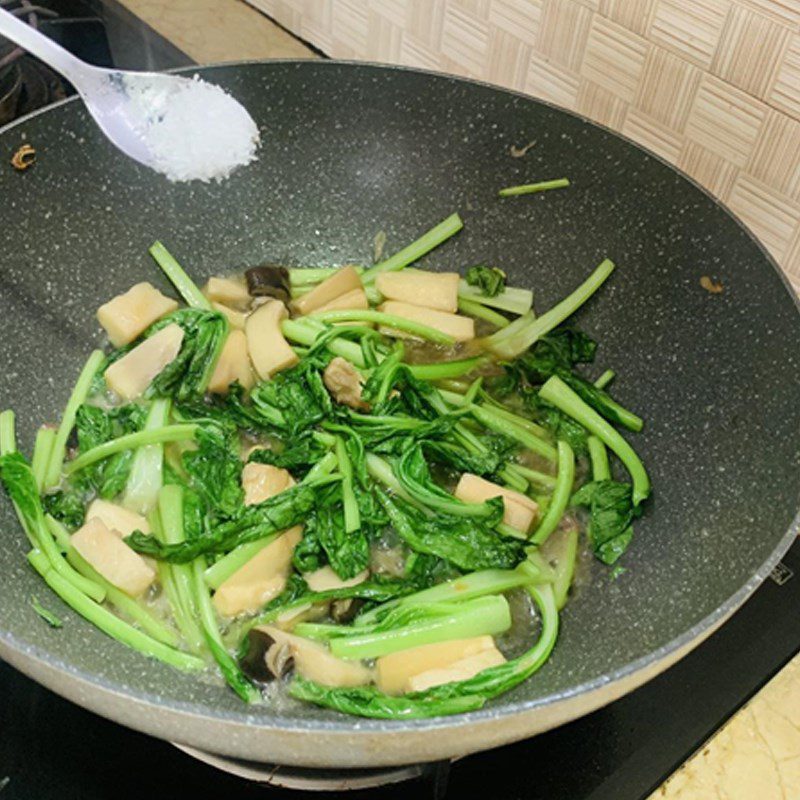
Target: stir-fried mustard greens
[373,483]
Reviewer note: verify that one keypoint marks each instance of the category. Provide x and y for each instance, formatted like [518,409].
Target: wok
[350,150]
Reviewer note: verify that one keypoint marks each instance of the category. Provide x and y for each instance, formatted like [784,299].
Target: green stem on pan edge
[451,698]
[388,320]
[521,334]
[481,312]
[108,622]
[53,474]
[180,280]
[42,450]
[561,494]
[130,441]
[605,379]
[532,188]
[433,238]
[556,392]
[8,434]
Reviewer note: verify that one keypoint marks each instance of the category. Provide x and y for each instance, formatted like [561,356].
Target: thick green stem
[445,369]
[479,617]
[169,529]
[468,587]
[511,341]
[598,455]
[306,331]
[500,424]
[180,280]
[77,398]
[145,478]
[42,451]
[512,299]
[108,622]
[427,242]
[532,188]
[481,312]
[557,392]
[352,515]
[559,500]
[534,476]
[387,320]
[131,441]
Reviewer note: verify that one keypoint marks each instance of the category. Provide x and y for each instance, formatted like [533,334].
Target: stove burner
[326,780]
[25,83]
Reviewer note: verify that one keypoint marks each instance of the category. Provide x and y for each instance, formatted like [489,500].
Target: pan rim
[636,672]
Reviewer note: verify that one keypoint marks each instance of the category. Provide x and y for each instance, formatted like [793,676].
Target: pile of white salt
[195,130]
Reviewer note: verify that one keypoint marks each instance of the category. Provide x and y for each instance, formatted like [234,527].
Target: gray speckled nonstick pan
[350,150]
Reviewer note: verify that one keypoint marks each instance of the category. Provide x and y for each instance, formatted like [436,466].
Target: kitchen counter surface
[757,753]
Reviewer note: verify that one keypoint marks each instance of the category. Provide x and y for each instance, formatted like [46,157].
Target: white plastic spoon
[185,128]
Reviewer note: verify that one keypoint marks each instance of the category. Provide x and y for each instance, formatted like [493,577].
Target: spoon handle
[43,48]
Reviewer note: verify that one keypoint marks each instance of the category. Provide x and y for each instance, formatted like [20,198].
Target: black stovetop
[53,750]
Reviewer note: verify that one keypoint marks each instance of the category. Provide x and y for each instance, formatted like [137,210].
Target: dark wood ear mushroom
[345,611]
[269,280]
[266,658]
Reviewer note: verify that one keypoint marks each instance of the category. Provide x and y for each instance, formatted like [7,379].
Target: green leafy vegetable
[464,541]
[611,514]
[490,280]
[249,524]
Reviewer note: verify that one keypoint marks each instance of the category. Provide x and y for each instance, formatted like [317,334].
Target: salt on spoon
[185,128]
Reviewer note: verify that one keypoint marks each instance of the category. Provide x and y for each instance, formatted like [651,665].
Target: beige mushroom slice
[135,371]
[341,282]
[345,384]
[357,299]
[420,288]
[269,351]
[261,579]
[393,672]
[324,579]
[116,518]
[520,511]
[232,365]
[128,315]
[462,329]
[236,319]
[112,558]
[228,292]
[262,481]
[460,670]
[315,663]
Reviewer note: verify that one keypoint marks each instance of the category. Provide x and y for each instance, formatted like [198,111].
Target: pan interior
[349,151]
